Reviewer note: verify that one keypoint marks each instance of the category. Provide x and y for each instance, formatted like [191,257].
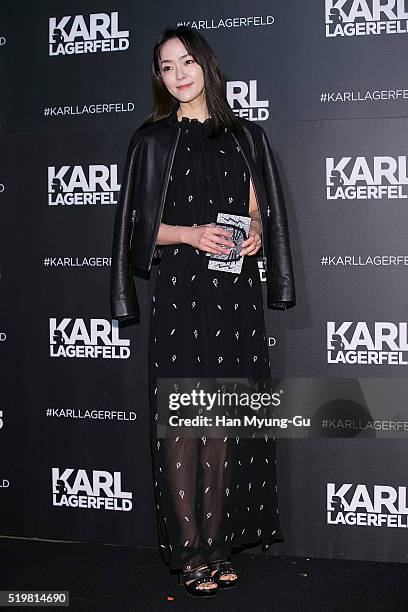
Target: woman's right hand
[208,237]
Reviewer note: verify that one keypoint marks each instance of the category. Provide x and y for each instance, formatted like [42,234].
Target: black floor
[112,578]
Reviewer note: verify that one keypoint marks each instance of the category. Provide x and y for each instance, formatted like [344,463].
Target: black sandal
[198,576]
[222,568]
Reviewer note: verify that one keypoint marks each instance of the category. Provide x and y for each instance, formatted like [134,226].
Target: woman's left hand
[253,243]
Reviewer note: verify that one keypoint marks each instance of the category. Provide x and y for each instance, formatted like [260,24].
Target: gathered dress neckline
[193,121]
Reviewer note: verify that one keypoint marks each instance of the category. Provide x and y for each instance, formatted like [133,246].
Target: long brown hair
[214,82]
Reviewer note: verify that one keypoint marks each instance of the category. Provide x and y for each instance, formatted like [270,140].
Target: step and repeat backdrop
[327,81]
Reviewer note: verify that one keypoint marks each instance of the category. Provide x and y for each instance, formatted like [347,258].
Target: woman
[192,159]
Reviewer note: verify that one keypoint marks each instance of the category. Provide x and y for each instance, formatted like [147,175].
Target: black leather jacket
[141,200]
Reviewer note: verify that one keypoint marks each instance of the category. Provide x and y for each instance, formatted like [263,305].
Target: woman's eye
[167,68]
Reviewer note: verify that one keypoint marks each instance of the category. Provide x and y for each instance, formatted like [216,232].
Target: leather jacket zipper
[133,227]
[163,199]
[257,202]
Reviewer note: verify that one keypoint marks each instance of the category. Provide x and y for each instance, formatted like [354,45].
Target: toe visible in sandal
[223,568]
[197,577]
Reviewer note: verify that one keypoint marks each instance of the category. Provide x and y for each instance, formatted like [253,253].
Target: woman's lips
[184,86]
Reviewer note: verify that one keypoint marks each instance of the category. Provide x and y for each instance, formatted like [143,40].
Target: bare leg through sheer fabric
[190,494]
[197,499]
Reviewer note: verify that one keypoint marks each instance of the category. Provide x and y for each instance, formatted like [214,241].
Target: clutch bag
[232,261]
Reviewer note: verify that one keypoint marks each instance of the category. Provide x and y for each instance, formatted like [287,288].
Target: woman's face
[181,74]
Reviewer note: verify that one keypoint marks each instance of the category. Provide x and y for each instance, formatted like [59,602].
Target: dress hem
[266,543]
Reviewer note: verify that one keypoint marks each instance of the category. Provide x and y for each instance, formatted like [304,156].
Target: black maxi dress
[213,495]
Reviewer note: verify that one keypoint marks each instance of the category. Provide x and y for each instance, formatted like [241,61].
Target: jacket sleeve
[123,299]
[281,292]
